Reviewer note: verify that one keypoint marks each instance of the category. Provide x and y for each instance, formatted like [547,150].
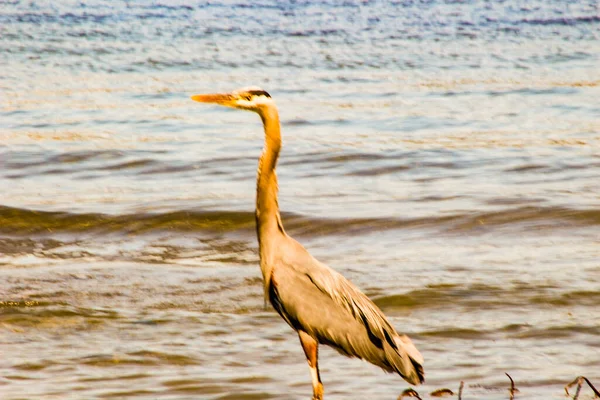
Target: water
[444,156]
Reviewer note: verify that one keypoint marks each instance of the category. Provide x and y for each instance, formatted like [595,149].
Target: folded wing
[312,297]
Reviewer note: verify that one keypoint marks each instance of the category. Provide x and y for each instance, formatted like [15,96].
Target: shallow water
[444,156]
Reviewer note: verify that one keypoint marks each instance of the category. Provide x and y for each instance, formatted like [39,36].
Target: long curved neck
[268,220]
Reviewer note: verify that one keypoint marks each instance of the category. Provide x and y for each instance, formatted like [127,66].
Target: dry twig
[512,389]
[579,382]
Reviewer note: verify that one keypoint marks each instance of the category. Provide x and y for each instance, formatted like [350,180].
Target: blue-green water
[444,156]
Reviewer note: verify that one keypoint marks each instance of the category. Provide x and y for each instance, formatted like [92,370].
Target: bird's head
[251,99]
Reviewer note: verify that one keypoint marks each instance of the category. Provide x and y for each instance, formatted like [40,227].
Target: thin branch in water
[579,385]
[460,389]
[512,389]
[579,382]
[596,392]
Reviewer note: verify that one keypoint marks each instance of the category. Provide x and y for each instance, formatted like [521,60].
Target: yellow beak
[217,98]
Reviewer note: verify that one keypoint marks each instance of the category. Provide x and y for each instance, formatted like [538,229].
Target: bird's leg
[311,350]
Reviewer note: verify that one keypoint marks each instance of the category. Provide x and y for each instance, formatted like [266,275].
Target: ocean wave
[475,296]
[19,221]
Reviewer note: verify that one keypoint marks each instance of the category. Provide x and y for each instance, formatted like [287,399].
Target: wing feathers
[400,354]
[313,298]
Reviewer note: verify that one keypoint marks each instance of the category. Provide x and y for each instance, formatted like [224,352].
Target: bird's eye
[247,97]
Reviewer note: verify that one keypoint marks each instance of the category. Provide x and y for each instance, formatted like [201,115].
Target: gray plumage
[319,303]
[318,300]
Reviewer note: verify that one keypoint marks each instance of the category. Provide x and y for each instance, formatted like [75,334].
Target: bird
[319,303]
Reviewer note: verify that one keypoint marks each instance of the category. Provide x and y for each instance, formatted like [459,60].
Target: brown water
[443,156]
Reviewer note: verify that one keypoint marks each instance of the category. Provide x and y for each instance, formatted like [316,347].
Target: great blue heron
[318,302]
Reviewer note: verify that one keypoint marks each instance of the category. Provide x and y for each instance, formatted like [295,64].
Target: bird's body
[316,301]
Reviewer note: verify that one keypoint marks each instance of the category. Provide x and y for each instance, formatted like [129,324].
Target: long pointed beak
[216,98]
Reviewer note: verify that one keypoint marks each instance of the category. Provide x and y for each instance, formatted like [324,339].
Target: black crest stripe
[259,93]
